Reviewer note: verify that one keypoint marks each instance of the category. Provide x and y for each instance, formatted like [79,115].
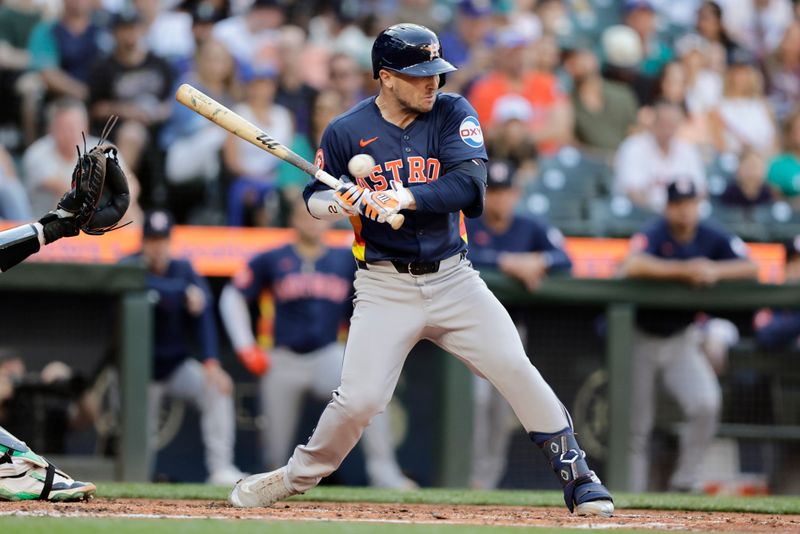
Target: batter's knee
[363,405]
[508,366]
[707,407]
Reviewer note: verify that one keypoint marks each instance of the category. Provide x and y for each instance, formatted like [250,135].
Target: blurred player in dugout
[312,289]
[184,304]
[678,247]
[780,329]
[527,250]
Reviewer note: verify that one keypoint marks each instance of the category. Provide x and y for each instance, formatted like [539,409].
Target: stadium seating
[617,216]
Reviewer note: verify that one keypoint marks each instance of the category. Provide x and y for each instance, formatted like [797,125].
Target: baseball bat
[209,108]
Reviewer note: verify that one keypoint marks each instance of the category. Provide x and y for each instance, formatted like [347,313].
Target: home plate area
[409,513]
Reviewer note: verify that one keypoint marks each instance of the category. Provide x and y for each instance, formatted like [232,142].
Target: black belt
[415,268]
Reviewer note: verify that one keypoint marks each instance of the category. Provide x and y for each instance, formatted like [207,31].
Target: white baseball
[360,165]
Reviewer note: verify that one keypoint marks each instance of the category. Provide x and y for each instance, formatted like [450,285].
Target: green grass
[661,501]
[52,525]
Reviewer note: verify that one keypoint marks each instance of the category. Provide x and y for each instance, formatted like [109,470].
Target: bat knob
[396,221]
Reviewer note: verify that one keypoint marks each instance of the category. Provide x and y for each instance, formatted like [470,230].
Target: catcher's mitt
[99,196]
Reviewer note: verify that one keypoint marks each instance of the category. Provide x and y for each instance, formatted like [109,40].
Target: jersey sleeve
[461,135]
[42,47]
[330,157]
[205,323]
[550,242]
[254,277]
[729,247]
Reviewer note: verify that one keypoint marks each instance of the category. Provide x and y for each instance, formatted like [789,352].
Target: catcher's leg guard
[580,484]
[16,244]
[24,475]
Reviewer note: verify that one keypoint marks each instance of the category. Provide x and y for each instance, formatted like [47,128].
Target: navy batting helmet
[409,49]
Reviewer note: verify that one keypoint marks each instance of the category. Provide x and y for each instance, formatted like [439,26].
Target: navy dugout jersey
[522,235]
[311,298]
[172,322]
[709,242]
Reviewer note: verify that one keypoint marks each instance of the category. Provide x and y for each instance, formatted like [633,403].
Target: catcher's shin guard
[8,441]
[581,486]
[16,244]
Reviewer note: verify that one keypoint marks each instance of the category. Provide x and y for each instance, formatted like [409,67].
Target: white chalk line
[76,514]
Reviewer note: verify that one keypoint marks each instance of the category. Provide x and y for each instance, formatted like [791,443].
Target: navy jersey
[172,321]
[432,145]
[709,242]
[524,234]
[778,329]
[311,297]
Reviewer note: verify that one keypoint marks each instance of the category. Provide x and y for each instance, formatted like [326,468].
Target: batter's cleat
[603,508]
[584,494]
[261,490]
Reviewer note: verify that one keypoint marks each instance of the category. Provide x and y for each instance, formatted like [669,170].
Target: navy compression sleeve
[205,324]
[462,188]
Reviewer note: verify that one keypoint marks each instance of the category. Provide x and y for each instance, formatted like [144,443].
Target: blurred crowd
[594,104]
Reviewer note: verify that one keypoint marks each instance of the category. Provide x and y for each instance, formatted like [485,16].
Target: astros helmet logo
[432,49]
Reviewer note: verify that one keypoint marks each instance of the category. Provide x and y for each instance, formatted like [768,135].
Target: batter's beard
[407,107]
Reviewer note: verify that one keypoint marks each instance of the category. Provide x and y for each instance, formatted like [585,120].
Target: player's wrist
[255,359]
[405,199]
[55,225]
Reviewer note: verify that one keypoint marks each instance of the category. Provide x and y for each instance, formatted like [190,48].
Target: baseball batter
[416,283]
[311,287]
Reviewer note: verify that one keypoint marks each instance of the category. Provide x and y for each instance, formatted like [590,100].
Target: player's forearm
[557,261]
[207,333]
[736,269]
[322,206]
[59,81]
[205,323]
[13,58]
[236,318]
[455,191]
[647,266]
[18,243]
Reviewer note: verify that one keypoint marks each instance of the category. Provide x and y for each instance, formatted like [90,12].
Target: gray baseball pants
[291,377]
[393,311]
[217,416]
[689,378]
